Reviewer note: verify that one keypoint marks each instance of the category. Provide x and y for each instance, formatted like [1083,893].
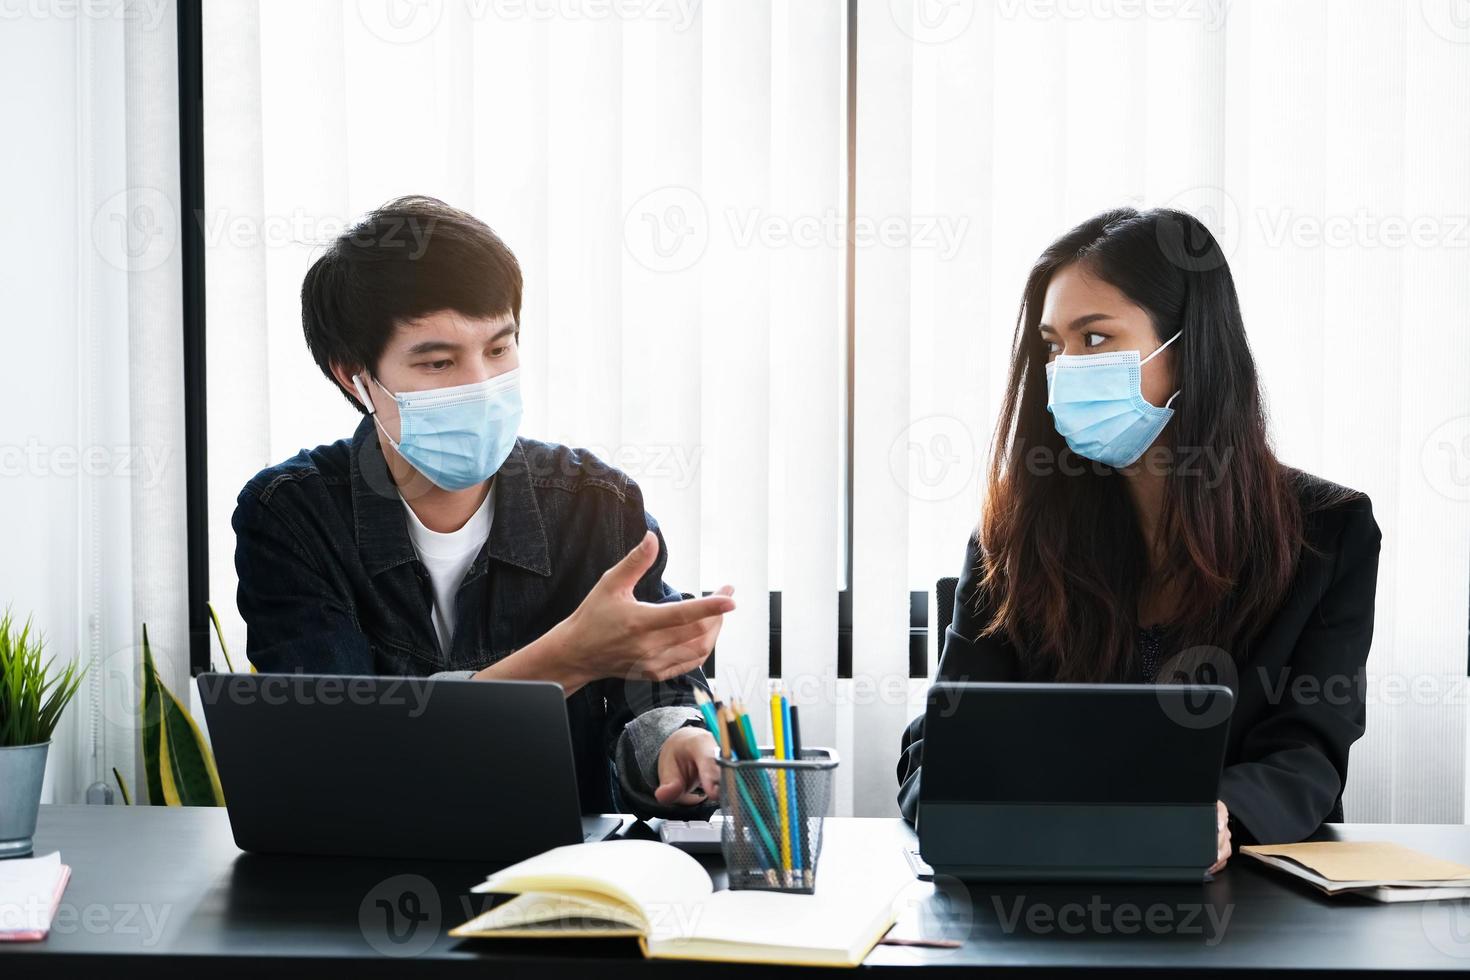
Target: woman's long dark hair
[1064,558]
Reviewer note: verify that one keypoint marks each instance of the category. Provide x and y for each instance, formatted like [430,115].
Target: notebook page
[860,874]
[644,874]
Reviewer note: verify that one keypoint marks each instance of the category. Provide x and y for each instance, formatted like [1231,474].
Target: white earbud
[362,393]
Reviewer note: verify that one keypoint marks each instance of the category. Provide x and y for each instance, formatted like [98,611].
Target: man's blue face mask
[457,437]
[1096,402]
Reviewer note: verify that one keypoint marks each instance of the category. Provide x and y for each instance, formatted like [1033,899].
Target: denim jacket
[330,584]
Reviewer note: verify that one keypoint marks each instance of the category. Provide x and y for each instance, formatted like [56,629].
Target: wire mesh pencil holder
[773,811]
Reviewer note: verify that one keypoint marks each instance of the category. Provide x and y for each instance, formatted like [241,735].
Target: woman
[1138,527]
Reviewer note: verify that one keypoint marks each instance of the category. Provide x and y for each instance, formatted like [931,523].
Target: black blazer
[1298,693]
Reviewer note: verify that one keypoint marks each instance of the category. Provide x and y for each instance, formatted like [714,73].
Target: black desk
[165,891]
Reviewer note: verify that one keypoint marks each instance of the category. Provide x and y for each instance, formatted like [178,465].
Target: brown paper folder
[1374,869]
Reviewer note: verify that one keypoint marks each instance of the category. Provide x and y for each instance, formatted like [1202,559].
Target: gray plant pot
[21,769]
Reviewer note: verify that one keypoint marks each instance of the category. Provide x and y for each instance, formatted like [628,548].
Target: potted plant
[31,702]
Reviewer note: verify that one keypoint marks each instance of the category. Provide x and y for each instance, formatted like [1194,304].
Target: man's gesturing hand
[612,634]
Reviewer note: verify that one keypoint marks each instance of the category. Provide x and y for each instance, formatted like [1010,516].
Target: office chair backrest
[944,606]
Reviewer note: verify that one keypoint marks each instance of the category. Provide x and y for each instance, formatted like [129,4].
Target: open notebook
[30,890]
[1378,870]
[662,896]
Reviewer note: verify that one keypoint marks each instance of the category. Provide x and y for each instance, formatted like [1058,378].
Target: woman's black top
[1299,692]
[1150,657]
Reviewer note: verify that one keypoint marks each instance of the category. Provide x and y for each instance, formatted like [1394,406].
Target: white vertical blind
[583,351]
[160,570]
[735,334]
[806,348]
[1309,136]
[1429,579]
[660,156]
[239,380]
[882,383]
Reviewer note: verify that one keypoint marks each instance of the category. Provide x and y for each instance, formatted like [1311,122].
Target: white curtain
[1327,144]
[671,176]
[91,418]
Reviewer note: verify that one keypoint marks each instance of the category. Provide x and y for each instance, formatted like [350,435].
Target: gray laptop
[1072,782]
[396,766]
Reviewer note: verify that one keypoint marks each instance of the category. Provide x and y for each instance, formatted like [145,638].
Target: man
[438,542]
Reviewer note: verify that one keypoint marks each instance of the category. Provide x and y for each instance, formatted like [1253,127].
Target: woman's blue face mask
[457,437]
[1096,402]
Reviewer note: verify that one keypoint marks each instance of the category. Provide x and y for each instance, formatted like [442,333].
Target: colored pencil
[707,709]
[793,786]
[783,787]
[794,730]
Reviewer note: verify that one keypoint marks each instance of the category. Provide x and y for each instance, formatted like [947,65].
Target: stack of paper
[1373,869]
[30,890]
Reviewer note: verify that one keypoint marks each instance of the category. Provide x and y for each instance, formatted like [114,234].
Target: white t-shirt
[448,556]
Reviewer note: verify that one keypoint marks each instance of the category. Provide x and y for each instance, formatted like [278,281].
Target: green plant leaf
[152,728]
[220,633]
[178,763]
[122,787]
[190,777]
[33,694]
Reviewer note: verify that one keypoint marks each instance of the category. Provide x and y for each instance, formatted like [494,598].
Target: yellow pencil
[779,741]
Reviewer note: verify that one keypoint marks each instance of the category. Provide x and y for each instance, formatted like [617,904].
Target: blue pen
[788,748]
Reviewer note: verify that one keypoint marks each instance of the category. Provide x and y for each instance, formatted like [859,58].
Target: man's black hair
[409,258]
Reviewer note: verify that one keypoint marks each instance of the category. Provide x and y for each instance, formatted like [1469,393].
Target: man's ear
[351,380]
